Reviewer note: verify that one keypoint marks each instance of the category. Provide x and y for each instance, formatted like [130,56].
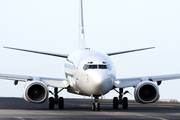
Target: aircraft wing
[128,51]
[53,82]
[130,82]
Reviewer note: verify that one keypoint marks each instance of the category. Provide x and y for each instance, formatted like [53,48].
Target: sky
[110,25]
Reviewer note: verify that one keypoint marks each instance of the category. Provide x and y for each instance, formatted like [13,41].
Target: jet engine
[35,92]
[146,92]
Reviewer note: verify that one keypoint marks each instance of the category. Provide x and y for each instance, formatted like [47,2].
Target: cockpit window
[85,67]
[91,66]
[102,66]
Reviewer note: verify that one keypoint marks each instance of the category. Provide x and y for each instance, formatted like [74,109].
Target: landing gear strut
[56,101]
[96,105]
[122,101]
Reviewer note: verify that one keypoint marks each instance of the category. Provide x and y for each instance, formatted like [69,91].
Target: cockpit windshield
[99,66]
[92,66]
[102,66]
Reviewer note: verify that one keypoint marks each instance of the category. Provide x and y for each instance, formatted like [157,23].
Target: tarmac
[18,109]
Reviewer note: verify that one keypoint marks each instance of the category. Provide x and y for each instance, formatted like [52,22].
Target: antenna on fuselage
[82,44]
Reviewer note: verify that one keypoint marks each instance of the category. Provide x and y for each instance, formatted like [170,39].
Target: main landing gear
[96,105]
[122,101]
[56,101]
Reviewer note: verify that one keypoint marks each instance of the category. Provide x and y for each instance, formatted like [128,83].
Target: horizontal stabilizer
[40,52]
[128,51]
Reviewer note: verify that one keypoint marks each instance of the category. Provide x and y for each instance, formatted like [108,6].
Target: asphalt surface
[18,109]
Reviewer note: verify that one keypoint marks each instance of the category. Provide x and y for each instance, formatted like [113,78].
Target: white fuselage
[90,72]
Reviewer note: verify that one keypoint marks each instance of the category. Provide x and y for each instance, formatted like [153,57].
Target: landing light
[117,82]
[65,82]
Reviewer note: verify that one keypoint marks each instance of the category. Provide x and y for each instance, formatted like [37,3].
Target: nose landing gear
[96,105]
[122,101]
[56,101]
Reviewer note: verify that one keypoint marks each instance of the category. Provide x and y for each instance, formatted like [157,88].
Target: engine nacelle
[36,92]
[146,92]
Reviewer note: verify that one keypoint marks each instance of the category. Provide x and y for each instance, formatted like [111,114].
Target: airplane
[88,73]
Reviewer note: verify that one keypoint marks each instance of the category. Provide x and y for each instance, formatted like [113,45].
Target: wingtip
[9,47]
[5,47]
[149,48]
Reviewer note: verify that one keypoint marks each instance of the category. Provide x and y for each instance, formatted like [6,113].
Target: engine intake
[146,92]
[36,92]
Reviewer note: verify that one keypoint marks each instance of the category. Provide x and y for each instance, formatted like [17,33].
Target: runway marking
[154,106]
[134,103]
[85,105]
[130,114]
[152,117]
[102,111]
[107,103]
[163,105]
[157,118]
[20,118]
[168,106]
[70,103]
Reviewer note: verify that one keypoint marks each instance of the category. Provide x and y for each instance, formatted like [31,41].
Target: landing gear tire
[93,107]
[98,107]
[125,103]
[51,103]
[115,103]
[61,103]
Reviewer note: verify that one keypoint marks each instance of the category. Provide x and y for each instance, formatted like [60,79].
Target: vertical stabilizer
[82,44]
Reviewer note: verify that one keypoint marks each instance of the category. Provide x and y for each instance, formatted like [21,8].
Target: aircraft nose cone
[98,77]
[100,81]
